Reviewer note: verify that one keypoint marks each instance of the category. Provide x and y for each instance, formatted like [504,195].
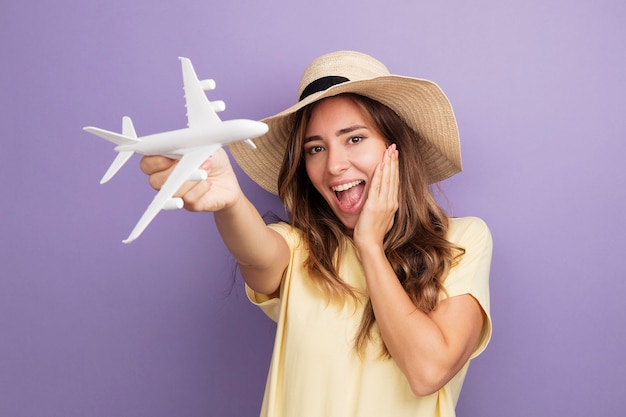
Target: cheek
[371,157]
[370,164]
[313,171]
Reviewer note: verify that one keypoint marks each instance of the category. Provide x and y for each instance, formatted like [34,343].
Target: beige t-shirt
[315,370]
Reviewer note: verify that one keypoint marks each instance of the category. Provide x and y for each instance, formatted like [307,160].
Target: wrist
[369,249]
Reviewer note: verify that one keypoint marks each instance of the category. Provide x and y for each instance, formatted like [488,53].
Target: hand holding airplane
[205,134]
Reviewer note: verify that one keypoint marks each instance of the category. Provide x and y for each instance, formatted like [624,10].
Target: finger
[151,164]
[158,169]
[387,164]
[394,175]
[377,180]
[388,175]
[159,178]
[379,177]
[194,193]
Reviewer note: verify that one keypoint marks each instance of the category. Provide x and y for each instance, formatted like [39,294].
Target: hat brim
[420,103]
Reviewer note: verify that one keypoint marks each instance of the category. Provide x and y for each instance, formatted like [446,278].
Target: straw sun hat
[420,103]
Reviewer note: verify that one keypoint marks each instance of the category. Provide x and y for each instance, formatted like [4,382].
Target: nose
[337,161]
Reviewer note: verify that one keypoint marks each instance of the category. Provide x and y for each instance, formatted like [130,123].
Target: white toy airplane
[205,134]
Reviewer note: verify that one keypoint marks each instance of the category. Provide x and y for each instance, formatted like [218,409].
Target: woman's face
[342,149]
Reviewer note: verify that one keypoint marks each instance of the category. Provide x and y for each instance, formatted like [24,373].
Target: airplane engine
[174,203]
[198,175]
[207,85]
[218,106]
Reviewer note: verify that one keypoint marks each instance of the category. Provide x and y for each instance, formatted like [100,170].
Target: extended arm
[261,253]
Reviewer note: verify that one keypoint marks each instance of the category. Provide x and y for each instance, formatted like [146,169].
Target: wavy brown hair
[416,244]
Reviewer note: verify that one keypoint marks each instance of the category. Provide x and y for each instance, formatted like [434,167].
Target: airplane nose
[243,129]
[261,128]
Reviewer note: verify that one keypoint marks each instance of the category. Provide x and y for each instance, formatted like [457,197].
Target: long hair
[416,244]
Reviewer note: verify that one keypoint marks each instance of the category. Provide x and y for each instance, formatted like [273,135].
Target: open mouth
[349,194]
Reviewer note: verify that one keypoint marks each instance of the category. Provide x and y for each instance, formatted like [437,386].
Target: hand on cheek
[379,210]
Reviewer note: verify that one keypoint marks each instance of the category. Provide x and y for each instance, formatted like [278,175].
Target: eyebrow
[349,129]
[340,132]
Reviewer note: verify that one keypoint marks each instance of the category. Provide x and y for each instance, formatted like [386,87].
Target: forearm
[413,338]
[261,253]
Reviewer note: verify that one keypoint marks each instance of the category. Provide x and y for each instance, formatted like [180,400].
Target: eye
[313,149]
[355,139]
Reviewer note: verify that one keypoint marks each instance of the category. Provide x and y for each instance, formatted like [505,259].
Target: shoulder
[470,231]
[284,229]
[471,271]
[292,235]
[461,225]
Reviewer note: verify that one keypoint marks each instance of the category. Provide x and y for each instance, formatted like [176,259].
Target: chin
[349,223]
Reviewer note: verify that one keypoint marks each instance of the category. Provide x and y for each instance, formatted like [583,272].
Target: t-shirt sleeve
[471,274]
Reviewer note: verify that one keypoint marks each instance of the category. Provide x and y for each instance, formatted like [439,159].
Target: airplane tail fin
[127,137]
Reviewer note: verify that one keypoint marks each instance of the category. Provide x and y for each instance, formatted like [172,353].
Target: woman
[381,299]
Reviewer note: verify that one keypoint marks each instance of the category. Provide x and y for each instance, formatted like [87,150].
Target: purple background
[92,327]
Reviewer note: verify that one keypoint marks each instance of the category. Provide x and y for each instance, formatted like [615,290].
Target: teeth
[347,186]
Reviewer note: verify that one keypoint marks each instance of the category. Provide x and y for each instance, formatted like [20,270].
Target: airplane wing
[200,112]
[186,166]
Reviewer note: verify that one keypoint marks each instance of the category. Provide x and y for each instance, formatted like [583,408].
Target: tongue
[350,197]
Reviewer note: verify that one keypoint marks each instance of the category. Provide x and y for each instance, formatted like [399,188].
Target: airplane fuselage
[176,143]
